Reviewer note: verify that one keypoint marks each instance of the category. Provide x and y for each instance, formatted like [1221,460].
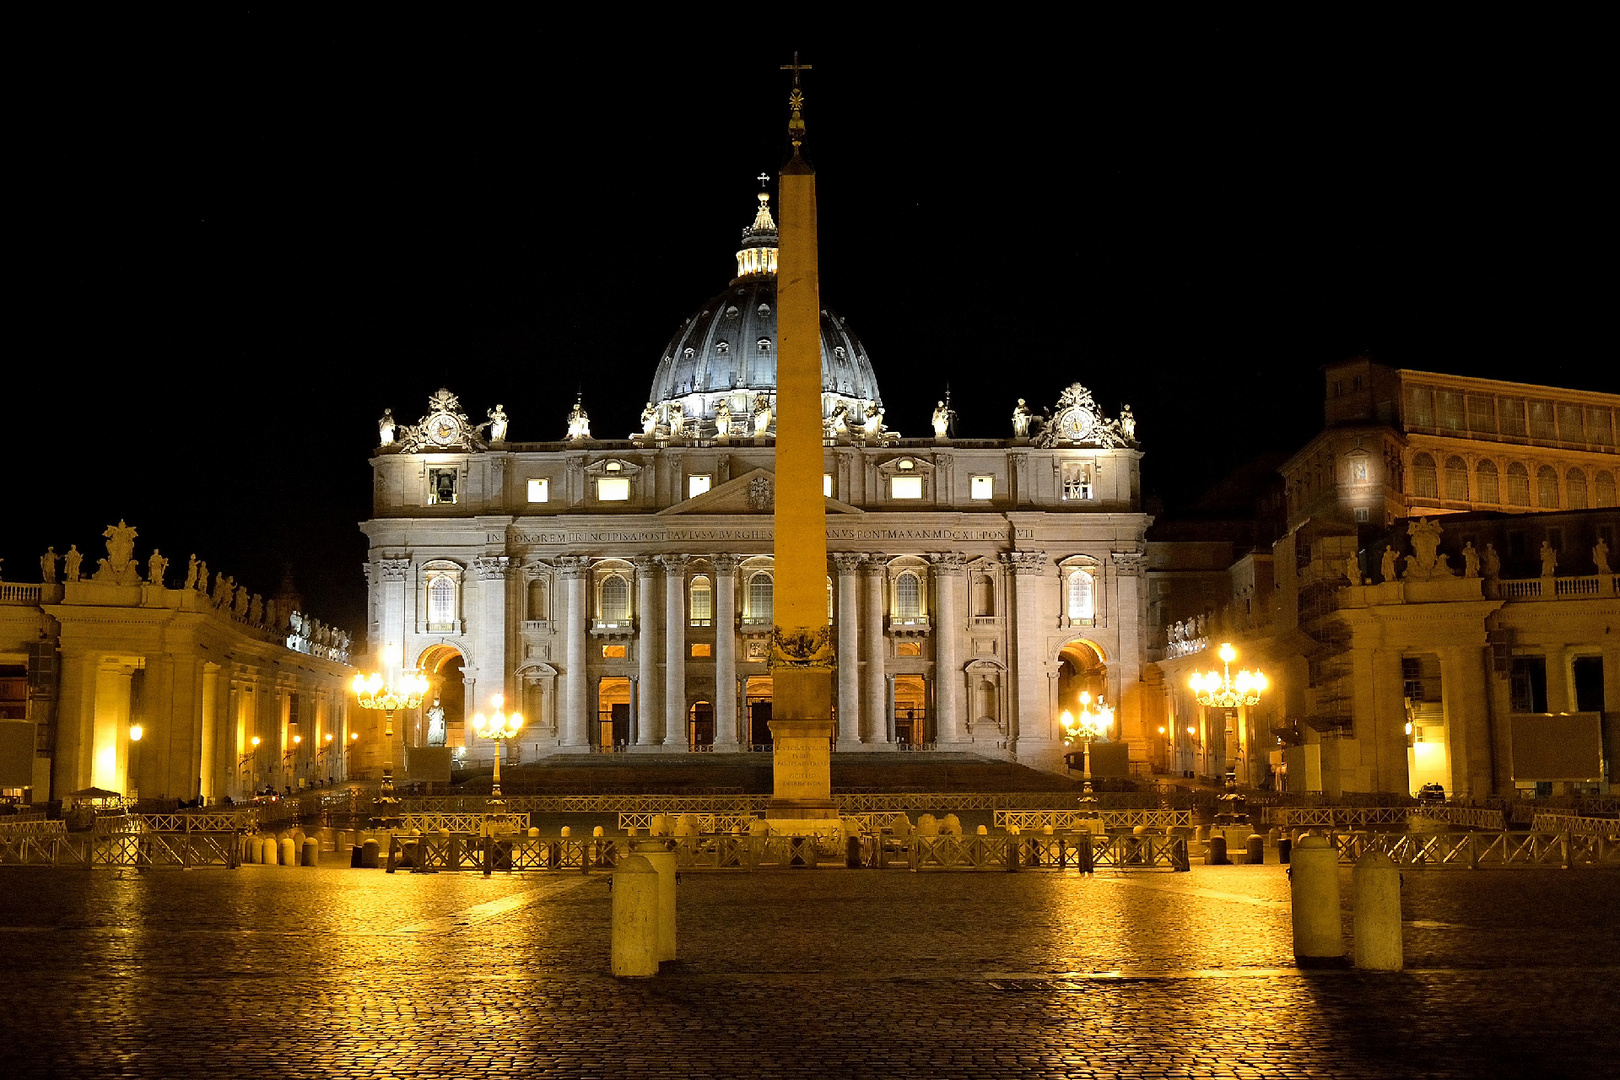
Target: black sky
[242,238]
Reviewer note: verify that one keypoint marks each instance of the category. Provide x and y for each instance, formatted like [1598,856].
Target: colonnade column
[725,651]
[849,667]
[675,651]
[575,570]
[1467,704]
[1030,725]
[646,649]
[949,570]
[1129,612]
[874,714]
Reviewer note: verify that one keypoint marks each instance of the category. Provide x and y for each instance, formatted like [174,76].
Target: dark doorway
[759,723]
[700,726]
[1588,672]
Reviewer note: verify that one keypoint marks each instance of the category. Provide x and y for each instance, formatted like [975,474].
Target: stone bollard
[659,825]
[1376,921]
[1284,847]
[599,832]
[311,855]
[1313,891]
[981,831]
[928,825]
[566,832]
[951,826]
[662,859]
[635,946]
[688,825]
[1217,852]
[1255,849]
[267,850]
[247,848]
[370,854]
[289,852]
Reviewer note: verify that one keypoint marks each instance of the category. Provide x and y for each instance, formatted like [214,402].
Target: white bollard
[635,919]
[1313,889]
[267,851]
[289,852]
[1376,921]
[662,859]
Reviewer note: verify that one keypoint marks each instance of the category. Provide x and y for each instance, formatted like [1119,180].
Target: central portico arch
[444,665]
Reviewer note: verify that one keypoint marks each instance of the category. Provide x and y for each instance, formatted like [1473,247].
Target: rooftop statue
[579,424]
[1549,560]
[1493,562]
[1388,565]
[1470,560]
[762,415]
[722,419]
[71,562]
[118,568]
[47,565]
[1127,423]
[1425,561]
[1600,557]
[1021,418]
[191,572]
[649,419]
[497,423]
[155,567]
[385,428]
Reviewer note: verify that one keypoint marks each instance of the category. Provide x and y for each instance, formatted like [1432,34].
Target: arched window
[1456,479]
[442,602]
[1487,482]
[702,601]
[1425,481]
[1082,604]
[1575,484]
[1603,489]
[1547,487]
[537,599]
[907,596]
[984,596]
[615,599]
[760,596]
[1518,484]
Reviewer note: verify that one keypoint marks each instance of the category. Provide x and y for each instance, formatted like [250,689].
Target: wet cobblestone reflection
[336,973]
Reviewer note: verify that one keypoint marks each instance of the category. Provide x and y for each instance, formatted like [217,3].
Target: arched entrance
[1080,670]
[910,710]
[757,700]
[442,719]
[612,712]
[700,725]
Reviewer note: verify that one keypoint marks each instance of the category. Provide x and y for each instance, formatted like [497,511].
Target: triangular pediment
[754,492]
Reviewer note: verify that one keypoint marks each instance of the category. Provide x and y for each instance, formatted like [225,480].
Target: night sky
[242,238]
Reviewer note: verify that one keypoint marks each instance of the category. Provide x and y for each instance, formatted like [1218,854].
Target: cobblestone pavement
[271,972]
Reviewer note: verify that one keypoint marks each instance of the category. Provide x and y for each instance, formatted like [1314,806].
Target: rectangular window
[1528,682]
[1363,515]
[983,487]
[1419,407]
[1569,423]
[701,649]
[1451,410]
[539,491]
[1510,414]
[614,652]
[1482,414]
[612,489]
[1541,421]
[1597,426]
[696,485]
[1077,482]
[905,487]
[826,484]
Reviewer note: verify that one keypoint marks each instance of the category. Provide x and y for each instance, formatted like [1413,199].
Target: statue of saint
[579,424]
[1600,557]
[435,717]
[722,419]
[1021,418]
[1352,569]
[1470,560]
[47,566]
[649,419]
[1549,560]
[191,572]
[202,577]
[1389,563]
[677,420]
[762,415]
[385,428]
[1425,559]
[119,567]
[219,588]
[155,567]
[256,610]
[240,607]
[942,420]
[1127,423]
[71,561]
[497,423]
[1493,561]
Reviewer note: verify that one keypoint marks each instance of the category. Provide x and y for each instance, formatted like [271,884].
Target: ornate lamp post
[1224,692]
[1093,723]
[499,727]
[376,691]
[289,761]
[243,765]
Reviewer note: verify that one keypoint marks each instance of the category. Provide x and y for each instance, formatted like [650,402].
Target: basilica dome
[727,351]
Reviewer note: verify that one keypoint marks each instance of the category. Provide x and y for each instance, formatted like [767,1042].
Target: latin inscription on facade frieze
[701,535]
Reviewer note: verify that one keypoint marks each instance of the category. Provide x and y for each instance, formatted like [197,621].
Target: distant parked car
[1431,793]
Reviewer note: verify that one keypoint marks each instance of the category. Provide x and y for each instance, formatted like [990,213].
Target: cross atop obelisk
[801,659]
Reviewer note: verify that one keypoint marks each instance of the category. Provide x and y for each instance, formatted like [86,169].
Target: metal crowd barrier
[1111,819]
[1481,850]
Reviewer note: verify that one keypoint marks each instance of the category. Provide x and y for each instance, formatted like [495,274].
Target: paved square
[268,971]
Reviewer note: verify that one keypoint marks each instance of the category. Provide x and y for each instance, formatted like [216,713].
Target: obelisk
[801,658]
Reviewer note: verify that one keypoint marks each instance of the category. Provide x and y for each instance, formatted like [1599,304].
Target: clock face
[442,429]
[1078,422]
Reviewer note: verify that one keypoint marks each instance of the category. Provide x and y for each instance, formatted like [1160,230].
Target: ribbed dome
[730,345]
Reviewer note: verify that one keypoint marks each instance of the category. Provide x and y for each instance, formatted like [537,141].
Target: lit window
[983,487]
[907,463]
[702,601]
[826,484]
[905,487]
[696,485]
[1081,603]
[1078,482]
[702,649]
[612,489]
[614,652]
[441,486]
[539,491]
[760,598]
[615,600]
[441,602]
[907,597]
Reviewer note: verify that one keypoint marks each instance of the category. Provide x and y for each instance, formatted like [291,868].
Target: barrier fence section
[1609,828]
[465,822]
[1477,850]
[1111,819]
[1348,817]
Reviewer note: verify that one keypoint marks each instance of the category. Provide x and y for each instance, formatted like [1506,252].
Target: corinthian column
[575,569]
[1030,729]
[725,651]
[849,667]
[948,577]
[675,649]
[646,649]
[874,713]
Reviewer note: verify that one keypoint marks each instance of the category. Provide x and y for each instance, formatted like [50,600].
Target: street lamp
[1224,692]
[291,756]
[375,691]
[1092,724]
[133,765]
[500,727]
